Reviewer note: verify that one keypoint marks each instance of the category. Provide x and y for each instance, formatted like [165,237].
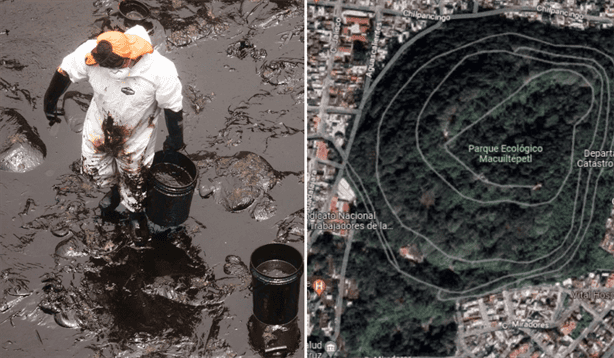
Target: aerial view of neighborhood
[460,178]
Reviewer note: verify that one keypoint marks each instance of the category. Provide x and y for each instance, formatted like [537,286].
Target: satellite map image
[459,178]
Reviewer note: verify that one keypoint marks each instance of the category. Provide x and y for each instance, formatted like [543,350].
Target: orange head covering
[124,45]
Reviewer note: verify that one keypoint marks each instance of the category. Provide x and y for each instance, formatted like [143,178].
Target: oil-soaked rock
[60,230]
[244,48]
[234,266]
[197,99]
[188,30]
[71,307]
[55,296]
[286,75]
[288,72]
[240,277]
[186,36]
[21,148]
[240,182]
[71,247]
[67,319]
[265,208]
[291,228]
[14,287]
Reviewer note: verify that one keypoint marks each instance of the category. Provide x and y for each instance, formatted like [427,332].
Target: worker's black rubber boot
[110,201]
[138,227]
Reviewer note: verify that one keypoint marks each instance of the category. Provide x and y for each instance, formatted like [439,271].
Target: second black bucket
[133,10]
[276,271]
[172,181]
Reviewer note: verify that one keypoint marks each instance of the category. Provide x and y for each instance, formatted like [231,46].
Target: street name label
[335,39]
[374,49]
[566,13]
[525,324]
[424,16]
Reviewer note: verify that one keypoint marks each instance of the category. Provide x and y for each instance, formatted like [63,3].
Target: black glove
[59,84]
[174,124]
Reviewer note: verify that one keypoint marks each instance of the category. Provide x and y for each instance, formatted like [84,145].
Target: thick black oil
[134,15]
[276,268]
[171,175]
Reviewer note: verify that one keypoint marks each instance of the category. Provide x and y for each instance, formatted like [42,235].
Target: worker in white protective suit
[132,83]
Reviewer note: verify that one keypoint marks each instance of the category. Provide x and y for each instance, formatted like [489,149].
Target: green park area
[479,129]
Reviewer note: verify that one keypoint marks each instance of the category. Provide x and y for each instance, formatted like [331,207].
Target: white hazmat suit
[119,132]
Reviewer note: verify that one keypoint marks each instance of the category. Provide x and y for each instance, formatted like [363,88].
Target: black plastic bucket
[276,271]
[168,201]
[135,13]
[133,10]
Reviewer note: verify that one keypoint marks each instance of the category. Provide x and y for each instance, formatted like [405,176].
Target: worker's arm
[174,124]
[59,84]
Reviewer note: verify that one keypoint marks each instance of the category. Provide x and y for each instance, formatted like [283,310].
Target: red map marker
[319,286]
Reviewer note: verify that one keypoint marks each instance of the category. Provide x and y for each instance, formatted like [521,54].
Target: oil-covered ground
[74,285]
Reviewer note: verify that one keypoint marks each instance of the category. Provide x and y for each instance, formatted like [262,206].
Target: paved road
[344,265]
[516,9]
[336,110]
[474,15]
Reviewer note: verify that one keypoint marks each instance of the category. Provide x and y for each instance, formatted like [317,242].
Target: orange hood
[124,45]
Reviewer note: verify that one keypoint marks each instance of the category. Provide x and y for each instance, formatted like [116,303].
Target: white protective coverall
[119,132]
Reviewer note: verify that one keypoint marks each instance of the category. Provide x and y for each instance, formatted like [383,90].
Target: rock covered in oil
[21,148]
[240,182]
